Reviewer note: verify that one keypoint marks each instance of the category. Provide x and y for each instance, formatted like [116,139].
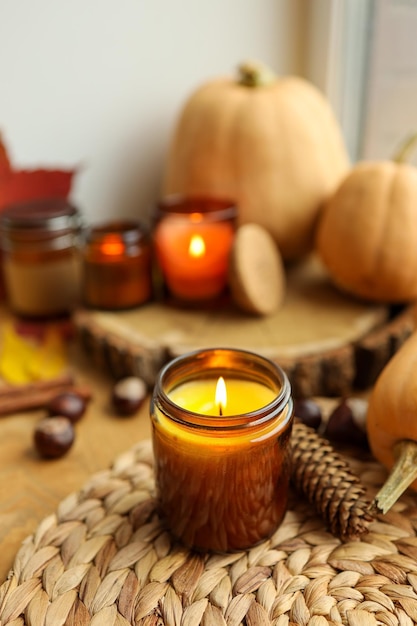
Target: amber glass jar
[117,265]
[222,465]
[40,244]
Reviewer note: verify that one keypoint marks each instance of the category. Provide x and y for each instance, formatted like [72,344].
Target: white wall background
[99,83]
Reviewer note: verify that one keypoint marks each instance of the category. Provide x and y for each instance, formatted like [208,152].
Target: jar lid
[131,231]
[210,207]
[256,271]
[49,214]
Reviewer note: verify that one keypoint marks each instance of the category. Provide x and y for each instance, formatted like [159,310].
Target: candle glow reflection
[112,245]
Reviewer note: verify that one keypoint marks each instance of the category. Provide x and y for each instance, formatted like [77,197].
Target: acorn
[67,404]
[347,423]
[308,412]
[53,437]
[128,395]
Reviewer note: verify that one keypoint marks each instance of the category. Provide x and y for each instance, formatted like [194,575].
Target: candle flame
[221,395]
[112,246]
[197,247]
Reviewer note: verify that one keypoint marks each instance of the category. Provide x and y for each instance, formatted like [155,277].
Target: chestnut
[53,437]
[308,412]
[347,423]
[128,395]
[67,404]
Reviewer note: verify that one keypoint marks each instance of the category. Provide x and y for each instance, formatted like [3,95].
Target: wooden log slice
[327,342]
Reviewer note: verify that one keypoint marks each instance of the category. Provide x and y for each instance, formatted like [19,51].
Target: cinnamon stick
[64,380]
[36,395]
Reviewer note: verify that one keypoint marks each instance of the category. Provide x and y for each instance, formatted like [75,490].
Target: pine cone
[327,481]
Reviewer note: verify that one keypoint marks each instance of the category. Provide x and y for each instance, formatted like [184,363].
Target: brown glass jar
[40,242]
[222,467]
[117,269]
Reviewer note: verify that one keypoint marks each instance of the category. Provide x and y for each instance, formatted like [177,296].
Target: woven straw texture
[105,559]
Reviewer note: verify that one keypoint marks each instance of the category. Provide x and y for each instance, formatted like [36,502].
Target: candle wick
[220,410]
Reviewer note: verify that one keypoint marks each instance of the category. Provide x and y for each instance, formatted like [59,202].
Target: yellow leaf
[50,358]
[15,356]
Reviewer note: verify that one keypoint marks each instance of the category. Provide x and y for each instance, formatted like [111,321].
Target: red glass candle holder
[117,266]
[192,240]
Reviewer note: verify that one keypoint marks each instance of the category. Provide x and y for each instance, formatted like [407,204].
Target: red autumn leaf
[22,185]
[35,184]
[5,167]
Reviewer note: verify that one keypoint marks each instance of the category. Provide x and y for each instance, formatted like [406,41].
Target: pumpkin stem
[405,149]
[253,74]
[403,473]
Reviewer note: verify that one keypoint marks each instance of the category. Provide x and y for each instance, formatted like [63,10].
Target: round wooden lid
[256,271]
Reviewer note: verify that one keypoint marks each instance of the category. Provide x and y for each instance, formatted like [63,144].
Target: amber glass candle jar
[221,423]
[40,244]
[117,266]
[192,241]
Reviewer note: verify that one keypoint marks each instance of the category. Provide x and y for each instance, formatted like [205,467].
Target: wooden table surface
[31,488]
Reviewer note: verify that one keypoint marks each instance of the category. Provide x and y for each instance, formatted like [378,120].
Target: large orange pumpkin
[271,145]
[367,233]
[392,408]
[391,423]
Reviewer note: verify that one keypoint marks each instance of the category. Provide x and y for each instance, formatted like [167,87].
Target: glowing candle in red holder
[192,240]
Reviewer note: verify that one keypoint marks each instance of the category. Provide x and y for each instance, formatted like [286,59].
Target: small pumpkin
[271,145]
[367,232]
[391,422]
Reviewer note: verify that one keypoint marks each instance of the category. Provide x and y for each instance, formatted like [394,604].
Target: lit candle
[197,247]
[193,238]
[221,427]
[117,266]
[234,397]
[221,396]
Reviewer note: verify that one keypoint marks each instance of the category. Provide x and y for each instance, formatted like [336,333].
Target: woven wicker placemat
[104,558]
